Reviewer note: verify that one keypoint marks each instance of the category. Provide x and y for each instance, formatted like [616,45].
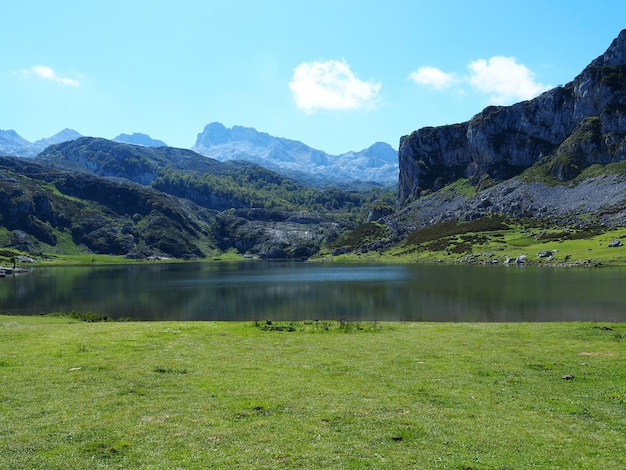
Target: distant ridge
[11,143]
[378,163]
[139,139]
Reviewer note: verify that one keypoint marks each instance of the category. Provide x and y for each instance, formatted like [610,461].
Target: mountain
[42,206]
[377,163]
[65,135]
[557,161]
[110,197]
[139,139]
[12,143]
[374,166]
[564,130]
[136,163]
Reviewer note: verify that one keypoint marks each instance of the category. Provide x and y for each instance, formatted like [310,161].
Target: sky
[336,75]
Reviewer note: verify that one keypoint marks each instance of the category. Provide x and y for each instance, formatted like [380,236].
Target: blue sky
[336,75]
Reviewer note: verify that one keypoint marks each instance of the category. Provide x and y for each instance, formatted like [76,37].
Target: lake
[255,290]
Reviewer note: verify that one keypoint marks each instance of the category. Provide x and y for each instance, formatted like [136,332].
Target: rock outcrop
[569,128]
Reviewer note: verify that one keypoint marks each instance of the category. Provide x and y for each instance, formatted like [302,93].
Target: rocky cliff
[567,129]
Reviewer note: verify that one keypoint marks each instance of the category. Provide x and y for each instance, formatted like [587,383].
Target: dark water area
[286,291]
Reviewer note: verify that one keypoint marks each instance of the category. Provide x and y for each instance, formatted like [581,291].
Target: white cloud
[432,76]
[504,79]
[331,85]
[47,73]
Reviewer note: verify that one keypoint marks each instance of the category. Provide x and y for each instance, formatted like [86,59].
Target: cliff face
[570,127]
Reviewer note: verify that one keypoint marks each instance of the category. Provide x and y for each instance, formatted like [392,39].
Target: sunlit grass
[498,245]
[237,395]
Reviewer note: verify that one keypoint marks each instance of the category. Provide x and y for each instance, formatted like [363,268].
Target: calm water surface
[316,291]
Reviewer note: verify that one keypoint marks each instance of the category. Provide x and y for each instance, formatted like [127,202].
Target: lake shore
[302,395]
[6,271]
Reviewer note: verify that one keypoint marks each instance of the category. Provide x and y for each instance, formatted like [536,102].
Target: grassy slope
[229,395]
[484,246]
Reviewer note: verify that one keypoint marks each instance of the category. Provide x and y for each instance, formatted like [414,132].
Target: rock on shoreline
[4,272]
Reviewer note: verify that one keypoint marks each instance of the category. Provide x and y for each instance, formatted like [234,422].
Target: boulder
[615,243]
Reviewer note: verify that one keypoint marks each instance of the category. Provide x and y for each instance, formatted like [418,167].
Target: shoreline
[4,271]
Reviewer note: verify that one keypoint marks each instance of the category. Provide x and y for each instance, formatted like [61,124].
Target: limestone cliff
[569,128]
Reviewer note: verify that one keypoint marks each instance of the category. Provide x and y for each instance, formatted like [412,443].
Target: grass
[79,395]
[495,238]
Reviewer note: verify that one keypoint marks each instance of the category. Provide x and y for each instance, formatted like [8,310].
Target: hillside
[51,210]
[100,196]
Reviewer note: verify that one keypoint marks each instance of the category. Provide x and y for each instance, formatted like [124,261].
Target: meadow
[84,394]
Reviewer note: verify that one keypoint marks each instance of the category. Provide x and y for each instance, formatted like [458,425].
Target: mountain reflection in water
[285,291]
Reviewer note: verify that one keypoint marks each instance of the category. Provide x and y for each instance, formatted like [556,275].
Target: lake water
[317,291]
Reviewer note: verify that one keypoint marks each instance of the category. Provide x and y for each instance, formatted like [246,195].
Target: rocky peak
[65,135]
[11,143]
[213,134]
[217,134]
[139,139]
[615,54]
[571,127]
[382,151]
[378,163]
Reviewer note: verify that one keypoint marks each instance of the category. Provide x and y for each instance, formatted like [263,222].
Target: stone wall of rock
[572,126]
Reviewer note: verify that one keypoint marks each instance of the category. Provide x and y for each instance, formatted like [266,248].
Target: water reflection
[309,291]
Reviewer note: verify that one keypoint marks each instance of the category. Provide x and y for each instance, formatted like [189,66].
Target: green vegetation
[57,212]
[454,227]
[569,160]
[613,76]
[490,239]
[363,234]
[322,326]
[234,395]
[256,187]
[461,186]
[594,171]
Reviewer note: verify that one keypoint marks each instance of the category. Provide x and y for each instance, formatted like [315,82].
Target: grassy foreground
[234,395]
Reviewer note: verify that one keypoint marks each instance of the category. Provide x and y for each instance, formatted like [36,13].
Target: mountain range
[101,196]
[11,143]
[376,165]
[556,162]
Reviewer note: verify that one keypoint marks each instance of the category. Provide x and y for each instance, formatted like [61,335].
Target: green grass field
[311,395]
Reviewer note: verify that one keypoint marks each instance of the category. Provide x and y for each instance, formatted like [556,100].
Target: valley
[546,175]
